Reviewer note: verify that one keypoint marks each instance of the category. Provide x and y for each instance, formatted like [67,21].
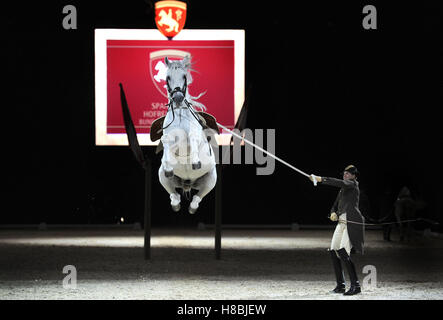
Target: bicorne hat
[351,169]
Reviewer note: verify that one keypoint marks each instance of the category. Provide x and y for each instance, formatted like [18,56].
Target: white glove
[315,179]
[333,216]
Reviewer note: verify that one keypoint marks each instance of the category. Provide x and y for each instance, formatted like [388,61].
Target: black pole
[145,163]
[147,224]
[218,212]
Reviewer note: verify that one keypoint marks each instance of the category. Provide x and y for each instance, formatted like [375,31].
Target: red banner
[139,66]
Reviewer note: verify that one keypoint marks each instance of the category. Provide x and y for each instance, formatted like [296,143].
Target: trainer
[347,235]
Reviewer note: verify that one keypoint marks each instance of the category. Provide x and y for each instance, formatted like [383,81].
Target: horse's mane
[186,64]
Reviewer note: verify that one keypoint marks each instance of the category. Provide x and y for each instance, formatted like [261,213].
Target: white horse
[188,160]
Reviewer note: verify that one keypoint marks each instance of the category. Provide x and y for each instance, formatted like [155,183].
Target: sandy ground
[255,264]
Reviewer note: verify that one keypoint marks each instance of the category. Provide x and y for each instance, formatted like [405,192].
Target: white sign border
[102,138]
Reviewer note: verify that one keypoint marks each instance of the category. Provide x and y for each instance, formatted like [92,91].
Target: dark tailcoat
[347,202]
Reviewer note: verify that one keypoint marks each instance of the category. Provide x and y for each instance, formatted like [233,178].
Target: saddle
[208,121]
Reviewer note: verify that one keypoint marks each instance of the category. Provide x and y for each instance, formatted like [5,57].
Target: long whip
[309,176]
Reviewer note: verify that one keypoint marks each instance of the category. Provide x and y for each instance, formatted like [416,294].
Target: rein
[173,114]
[188,105]
[193,113]
[191,110]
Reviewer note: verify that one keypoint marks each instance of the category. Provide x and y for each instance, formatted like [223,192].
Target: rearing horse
[188,160]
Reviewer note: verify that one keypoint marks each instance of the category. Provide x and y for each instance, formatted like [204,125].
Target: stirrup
[175,202]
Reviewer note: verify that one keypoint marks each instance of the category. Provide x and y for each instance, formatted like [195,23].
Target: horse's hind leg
[203,185]
[169,185]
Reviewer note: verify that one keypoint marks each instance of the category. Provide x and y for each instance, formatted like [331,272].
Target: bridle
[177,89]
[188,105]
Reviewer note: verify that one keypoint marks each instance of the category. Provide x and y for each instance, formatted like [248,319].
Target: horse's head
[178,78]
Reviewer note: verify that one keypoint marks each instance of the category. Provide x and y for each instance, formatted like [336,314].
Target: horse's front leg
[194,142]
[167,140]
[170,185]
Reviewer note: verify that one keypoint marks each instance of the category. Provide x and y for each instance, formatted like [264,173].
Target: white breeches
[340,239]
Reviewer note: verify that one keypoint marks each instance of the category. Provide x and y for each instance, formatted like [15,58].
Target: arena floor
[255,264]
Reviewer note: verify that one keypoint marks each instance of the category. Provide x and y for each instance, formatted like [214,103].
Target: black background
[335,93]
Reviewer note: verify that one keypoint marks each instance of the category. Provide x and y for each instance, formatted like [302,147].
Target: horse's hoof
[169,174]
[196,166]
[175,202]
[192,210]
[193,206]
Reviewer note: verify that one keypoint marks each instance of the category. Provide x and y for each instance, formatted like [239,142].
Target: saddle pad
[157,129]
[210,121]
[157,125]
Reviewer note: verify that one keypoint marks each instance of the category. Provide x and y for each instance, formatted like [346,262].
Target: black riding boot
[339,277]
[355,285]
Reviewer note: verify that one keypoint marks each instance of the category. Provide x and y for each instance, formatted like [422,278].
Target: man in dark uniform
[348,234]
